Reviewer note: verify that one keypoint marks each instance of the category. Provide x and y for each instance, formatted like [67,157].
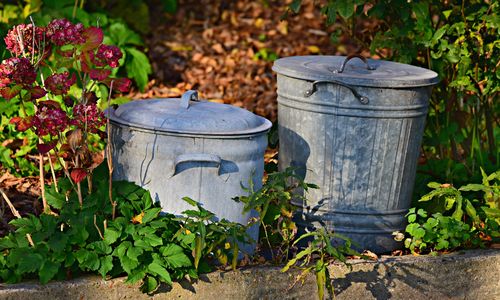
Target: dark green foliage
[273,204]
[318,255]
[467,217]
[140,242]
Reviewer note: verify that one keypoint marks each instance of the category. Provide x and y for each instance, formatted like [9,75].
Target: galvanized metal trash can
[354,128]
[187,147]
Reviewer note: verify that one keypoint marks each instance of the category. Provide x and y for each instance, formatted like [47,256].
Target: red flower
[120,84]
[17,71]
[21,39]
[63,32]
[59,84]
[49,119]
[107,55]
[88,116]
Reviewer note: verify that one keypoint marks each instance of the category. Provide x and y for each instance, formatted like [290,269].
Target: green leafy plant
[438,232]
[318,255]
[275,211]
[139,242]
[459,217]
[213,238]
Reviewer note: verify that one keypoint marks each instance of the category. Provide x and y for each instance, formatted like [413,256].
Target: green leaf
[6,243]
[320,278]
[134,252]
[58,241]
[101,247]
[48,271]
[135,276]
[122,35]
[190,201]
[447,13]
[153,240]
[30,262]
[434,185]
[157,269]
[473,187]
[150,214]
[297,257]
[345,8]
[175,257]
[55,199]
[128,264]
[111,236]
[493,213]
[412,218]
[458,213]
[422,213]
[106,265]
[149,285]
[88,259]
[138,67]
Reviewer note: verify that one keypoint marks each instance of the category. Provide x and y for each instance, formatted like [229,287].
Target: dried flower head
[59,84]
[49,119]
[107,55]
[26,39]
[88,116]
[16,70]
[63,32]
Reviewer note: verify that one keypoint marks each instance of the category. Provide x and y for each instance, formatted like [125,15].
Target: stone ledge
[462,275]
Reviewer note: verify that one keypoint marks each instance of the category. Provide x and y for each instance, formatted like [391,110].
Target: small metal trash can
[354,128]
[190,148]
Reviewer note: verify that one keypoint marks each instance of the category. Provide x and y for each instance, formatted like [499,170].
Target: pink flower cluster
[59,84]
[89,116]
[22,40]
[107,55]
[63,32]
[49,120]
[17,71]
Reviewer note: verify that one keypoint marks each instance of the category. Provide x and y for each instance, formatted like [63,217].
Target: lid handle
[313,89]
[348,58]
[190,95]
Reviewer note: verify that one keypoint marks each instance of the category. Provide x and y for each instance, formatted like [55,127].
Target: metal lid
[188,115]
[356,72]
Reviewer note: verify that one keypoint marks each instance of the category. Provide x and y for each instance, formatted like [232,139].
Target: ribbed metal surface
[363,156]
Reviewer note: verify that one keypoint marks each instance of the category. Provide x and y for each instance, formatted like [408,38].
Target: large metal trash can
[354,128]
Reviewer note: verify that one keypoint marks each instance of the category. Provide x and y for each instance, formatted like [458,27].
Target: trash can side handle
[313,89]
[348,58]
[196,157]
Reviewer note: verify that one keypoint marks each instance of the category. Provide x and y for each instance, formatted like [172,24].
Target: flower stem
[109,154]
[42,184]
[16,214]
[53,172]
[78,185]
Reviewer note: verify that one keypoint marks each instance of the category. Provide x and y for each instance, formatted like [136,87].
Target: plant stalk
[109,159]
[42,184]
[53,173]
[16,214]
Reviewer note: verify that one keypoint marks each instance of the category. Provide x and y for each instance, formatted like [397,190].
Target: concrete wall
[462,275]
